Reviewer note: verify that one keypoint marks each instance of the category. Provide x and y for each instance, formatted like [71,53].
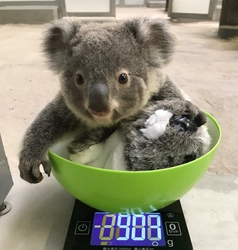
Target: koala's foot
[89,154]
[86,140]
[30,169]
[89,145]
[77,146]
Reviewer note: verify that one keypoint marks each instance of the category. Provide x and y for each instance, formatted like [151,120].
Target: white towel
[109,155]
[106,155]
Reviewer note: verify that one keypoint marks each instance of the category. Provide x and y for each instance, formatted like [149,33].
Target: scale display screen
[127,230]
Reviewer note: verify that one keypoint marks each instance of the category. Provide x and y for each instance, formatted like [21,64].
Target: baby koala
[165,134]
[107,71]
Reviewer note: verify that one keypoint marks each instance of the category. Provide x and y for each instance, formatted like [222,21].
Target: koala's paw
[75,147]
[200,119]
[189,110]
[192,112]
[188,117]
[30,169]
[88,154]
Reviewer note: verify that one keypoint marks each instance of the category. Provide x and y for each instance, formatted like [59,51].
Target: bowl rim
[146,171]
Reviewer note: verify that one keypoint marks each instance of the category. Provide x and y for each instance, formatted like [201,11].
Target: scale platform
[90,229]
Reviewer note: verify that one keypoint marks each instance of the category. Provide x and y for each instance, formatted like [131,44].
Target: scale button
[82,228]
[170,215]
[173,229]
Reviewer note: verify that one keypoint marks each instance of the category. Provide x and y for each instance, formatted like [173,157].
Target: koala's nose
[184,123]
[99,98]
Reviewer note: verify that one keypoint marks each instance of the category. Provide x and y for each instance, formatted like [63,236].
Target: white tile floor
[39,217]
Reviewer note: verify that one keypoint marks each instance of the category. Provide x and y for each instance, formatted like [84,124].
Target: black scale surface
[175,230]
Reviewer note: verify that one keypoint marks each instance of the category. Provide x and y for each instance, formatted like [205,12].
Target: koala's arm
[168,91]
[51,124]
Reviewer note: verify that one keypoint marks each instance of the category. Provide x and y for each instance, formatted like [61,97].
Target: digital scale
[90,229]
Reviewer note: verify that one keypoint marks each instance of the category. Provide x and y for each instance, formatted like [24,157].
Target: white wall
[134,2]
[87,5]
[191,6]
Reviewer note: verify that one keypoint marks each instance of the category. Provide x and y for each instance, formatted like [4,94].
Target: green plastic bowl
[120,191]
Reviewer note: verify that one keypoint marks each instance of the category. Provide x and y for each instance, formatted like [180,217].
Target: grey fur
[140,47]
[172,148]
[100,52]
[89,138]
[53,122]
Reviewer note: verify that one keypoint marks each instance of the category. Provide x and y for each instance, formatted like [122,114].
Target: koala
[165,134]
[107,71]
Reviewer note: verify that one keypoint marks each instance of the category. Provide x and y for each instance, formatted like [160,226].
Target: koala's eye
[123,78]
[79,79]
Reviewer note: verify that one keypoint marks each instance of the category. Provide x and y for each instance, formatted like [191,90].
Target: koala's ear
[153,35]
[58,42]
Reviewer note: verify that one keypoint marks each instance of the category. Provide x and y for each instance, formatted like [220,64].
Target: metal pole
[5,207]
[6,181]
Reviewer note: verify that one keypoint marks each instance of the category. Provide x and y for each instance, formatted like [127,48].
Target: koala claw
[200,119]
[31,176]
[193,112]
[47,167]
[30,172]
[190,110]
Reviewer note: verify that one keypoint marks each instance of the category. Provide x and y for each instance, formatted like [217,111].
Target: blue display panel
[127,230]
